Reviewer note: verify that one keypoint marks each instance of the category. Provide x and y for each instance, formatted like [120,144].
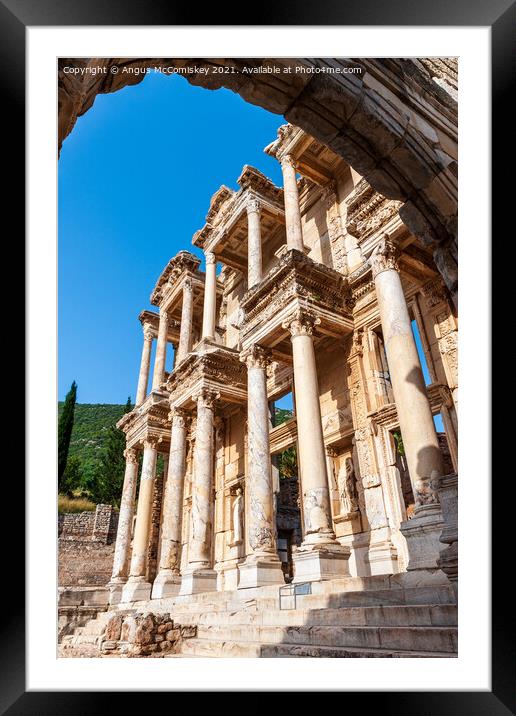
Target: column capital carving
[179,417]
[206,398]
[188,285]
[384,257]
[301,323]
[210,257]
[331,451]
[253,205]
[163,316]
[148,332]
[288,160]
[131,455]
[256,357]
[151,442]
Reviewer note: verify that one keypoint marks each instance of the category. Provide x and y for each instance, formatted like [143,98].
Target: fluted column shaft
[210,297]
[260,527]
[143,378]
[173,498]
[125,518]
[408,385]
[199,550]
[185,335]
[254,243]
[291,199]
[144,511]
[161,351]
[312,455]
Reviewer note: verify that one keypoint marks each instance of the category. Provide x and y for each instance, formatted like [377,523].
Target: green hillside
[90,427]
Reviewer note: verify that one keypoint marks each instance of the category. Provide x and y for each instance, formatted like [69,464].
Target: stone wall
[86,547]
[100,525]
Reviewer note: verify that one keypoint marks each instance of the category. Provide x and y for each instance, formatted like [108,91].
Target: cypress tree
[65,431]
[109,477]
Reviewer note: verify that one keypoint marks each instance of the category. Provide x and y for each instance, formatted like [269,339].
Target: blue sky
[135,179]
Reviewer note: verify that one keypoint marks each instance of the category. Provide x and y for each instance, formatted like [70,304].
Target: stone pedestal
[448,556]
[166,584]
[422,534]
[260,572]
[136,589]
[199,580]
[325,562]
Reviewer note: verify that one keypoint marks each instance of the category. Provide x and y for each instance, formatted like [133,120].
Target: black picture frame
[15,17]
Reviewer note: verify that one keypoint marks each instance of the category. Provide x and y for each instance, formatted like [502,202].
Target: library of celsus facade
[315,290]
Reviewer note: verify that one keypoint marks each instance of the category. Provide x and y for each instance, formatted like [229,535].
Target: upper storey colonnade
[297,262]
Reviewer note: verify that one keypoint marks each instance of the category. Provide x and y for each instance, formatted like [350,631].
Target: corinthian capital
[131,455]
[256,357]
[210,257]
[253,205]
[288,160]
[384,257]
[148,332]
[301,323]
[178,416]
[206,398]
[187,285]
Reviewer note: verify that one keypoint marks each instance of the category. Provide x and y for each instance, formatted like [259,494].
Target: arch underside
[393,123]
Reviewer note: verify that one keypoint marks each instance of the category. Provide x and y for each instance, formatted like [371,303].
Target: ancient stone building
[320,293]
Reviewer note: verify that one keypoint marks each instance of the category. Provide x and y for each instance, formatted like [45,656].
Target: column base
[328,561]
[422,534]
[136,589]
[201,580]
[166,584]
[115,588]
[260,572]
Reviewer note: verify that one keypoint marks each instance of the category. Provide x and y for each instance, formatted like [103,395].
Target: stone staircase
[373,617]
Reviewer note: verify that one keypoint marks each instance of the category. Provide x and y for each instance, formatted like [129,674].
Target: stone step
[218,648]
[408,638]
[421,615]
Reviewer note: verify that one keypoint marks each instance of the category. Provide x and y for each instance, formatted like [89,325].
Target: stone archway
[395,122]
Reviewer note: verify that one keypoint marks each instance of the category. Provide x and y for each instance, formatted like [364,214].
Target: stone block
[260,573]
[319,564]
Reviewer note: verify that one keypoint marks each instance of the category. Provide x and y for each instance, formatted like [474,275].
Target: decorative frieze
[368,211]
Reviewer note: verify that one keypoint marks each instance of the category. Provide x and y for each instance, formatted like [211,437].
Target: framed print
[244,280]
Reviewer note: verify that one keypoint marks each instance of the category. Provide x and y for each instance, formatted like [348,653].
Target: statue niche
[347,487]
[236,533]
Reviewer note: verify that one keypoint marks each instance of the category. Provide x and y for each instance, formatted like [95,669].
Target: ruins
[316,290]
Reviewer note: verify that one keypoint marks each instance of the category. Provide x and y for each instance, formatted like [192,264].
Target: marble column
[254,243]
[185,335]
[412,405]
[125,522]
[168,580]
[199,575]
[136,587]
[210,297]
[143,378]
[320,555]
[291,199]
[161,351]
[262,566]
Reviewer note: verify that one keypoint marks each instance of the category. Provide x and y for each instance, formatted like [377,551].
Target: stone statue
[347,487]
[238,514]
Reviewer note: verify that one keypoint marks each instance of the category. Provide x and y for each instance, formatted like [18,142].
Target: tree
[65,431]
[71,479]
[107,484]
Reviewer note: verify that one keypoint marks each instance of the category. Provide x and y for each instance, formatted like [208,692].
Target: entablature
[295,283]
[149,421]
[211,367]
